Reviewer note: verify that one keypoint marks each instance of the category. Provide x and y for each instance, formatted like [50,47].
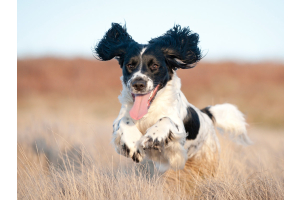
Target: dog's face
[148,68]
[145,70]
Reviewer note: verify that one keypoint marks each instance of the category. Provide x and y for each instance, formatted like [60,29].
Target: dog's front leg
[164,144]
[125,138]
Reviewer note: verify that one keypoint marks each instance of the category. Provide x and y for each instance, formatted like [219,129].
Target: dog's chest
[152,117]
[147,122]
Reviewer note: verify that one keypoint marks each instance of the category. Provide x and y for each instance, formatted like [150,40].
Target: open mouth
[142,103]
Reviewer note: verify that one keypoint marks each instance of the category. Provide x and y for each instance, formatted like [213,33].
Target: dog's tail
[228,119]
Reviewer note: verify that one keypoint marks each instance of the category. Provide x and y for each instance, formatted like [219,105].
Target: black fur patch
[209,114]
[157,145]
[178,43]
[126,150]
[116,42]
[191,123]
[135,156]
[169,138]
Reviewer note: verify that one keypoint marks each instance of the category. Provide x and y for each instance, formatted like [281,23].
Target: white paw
[125,140]
[158,136]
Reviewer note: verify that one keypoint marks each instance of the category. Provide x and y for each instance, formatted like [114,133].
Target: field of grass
[65,114]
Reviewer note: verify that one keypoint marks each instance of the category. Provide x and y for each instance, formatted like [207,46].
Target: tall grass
[88,168]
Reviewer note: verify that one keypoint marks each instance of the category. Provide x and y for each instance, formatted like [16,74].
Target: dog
[156,122]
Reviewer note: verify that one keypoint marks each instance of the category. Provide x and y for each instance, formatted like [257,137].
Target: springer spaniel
[156,122]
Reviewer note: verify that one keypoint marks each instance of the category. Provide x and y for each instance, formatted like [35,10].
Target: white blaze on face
[143,50]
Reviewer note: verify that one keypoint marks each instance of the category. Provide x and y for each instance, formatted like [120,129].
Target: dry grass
[69,156]
[64,133]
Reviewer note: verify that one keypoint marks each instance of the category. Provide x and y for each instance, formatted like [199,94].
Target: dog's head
[148,68]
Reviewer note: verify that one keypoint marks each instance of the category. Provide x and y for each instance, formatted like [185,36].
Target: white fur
[166,114]
[230,120]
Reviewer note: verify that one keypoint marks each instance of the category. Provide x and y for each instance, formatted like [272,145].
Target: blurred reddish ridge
[256,88]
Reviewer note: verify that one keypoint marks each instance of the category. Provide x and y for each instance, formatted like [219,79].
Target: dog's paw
[149,143]
[137,156]
[125,138]
[156,141]
[127,148]
[131,152]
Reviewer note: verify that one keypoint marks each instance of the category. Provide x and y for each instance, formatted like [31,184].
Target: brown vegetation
[256,88]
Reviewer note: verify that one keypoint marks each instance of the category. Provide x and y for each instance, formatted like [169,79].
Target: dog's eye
[153,67]
[130,66]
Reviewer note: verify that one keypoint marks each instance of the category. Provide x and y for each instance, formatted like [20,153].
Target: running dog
[156,122]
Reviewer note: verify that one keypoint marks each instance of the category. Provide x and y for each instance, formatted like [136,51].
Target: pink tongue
[140,106]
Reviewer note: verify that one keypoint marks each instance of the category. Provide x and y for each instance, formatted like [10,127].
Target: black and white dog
[156,122]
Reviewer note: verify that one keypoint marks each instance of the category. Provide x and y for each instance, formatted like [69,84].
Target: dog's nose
[139,84]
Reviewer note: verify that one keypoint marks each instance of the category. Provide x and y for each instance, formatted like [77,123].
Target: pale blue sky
[245,30]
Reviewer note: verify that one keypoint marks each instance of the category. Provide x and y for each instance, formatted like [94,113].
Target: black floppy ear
[180,47]
[114,43]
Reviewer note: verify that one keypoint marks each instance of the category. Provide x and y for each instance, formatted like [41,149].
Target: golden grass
[69,156]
